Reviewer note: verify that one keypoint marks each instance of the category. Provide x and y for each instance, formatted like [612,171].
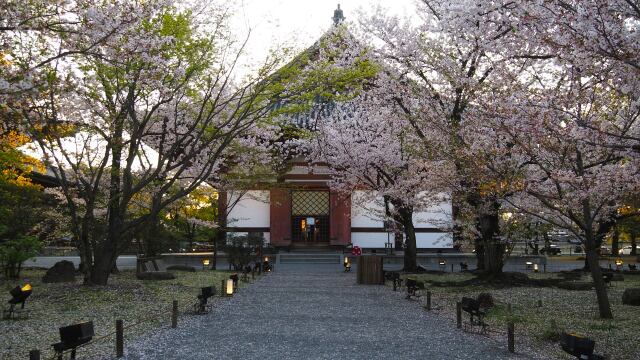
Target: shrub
[14,252]
[485,300]
[552,332]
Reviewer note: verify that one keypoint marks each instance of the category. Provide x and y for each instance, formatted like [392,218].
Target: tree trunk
[493,248]
[494,258]
[615,241]
[410,249]
[479,248]
[604,306]
[102,266]
[107,252]
[634,244]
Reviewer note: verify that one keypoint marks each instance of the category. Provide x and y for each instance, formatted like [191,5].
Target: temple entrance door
[310,229]
[310,217]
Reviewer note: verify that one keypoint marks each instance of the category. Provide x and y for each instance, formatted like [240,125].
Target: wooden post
[174,315]
[510,337]
[223,288]
[428,300]
[119,339]
[395,285]
[451,267]
[34,355]
[459,314]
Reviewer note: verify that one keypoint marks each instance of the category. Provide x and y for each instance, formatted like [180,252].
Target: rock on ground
[631,297]
[62,271]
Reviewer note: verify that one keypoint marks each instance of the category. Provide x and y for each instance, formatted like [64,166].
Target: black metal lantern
[347,264]
[266,266]
[19,296]
[412,288]
[234,277]
[205,293]
[578,346]
[73,336]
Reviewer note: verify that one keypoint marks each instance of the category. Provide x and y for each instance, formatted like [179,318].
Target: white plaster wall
[370,240]
[252,210]
[434,240]
[366,213]
[433,216]
[423,240]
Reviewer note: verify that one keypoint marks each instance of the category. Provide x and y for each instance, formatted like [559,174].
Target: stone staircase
[310,258]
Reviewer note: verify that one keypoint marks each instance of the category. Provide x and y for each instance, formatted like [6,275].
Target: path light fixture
[73,336]
[205,263]
[529,265]
[536,268]
[396,280]
[234,277]
[442,263]
[205,293]
[347,264]
[619,263]
[578,346]
[19,296]
[412,288]
[229,288]
[265,265]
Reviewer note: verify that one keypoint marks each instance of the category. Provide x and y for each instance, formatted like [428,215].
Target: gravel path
[315,312]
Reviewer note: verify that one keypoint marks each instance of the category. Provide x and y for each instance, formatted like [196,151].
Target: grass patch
[572,311]
[125,297]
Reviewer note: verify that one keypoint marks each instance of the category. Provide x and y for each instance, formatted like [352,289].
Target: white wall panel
[434,240]
[366,213]
[252,210]
[369,240]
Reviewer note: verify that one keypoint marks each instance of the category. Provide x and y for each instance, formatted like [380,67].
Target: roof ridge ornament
[338,16]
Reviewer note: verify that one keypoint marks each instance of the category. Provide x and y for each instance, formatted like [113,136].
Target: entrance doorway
[310,216]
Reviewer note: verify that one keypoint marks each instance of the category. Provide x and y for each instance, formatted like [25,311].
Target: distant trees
[21,203]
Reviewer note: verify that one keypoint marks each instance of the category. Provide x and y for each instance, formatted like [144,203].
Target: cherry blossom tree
[155,109]
[455,57]
[362,141]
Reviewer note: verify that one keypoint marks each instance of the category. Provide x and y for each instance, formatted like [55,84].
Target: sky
[299,22]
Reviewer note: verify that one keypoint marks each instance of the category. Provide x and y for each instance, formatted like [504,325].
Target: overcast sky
[299,22]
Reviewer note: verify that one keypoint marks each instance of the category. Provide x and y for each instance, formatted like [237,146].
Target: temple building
[299,210]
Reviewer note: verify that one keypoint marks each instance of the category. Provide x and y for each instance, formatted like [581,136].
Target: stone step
[310,259]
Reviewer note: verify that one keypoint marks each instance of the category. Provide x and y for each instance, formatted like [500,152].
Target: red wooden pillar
[340,219]
[280,217]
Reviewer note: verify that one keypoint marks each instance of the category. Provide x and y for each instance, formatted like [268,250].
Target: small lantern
[619,263]
[19,296]
[529,265]
[442,263]
[347,264]
[234,277]
[265,265]
[535,268]
[205,263]
[73,336]
[229,288]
